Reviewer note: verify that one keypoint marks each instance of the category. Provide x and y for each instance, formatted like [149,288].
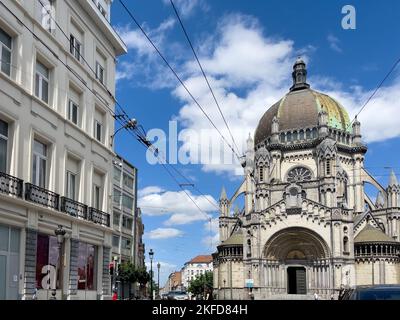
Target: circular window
[299,174]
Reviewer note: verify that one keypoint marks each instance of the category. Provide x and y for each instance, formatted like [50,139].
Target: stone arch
[284,243]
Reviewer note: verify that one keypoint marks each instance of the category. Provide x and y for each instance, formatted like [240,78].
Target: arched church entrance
[297,261]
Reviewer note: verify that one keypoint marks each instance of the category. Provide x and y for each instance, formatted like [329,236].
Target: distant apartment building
[55,152]
[174,282]
[196,267]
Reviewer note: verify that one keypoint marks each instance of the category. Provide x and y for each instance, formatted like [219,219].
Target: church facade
[308,225]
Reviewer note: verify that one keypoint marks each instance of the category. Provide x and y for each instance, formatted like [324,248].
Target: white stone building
[196,267]
[308,225]
[55,153]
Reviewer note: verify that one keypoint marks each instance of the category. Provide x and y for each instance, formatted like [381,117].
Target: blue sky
[247,49]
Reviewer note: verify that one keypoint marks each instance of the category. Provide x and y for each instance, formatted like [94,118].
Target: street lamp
[131,124]
[60,233]
[151,254]
[158,280]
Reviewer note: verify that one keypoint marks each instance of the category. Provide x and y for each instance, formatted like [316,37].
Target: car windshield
[179,293]
[387,294]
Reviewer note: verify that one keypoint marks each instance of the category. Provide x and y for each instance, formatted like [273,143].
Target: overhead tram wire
[179,79]
[376,90]
[125,115]
[204,74]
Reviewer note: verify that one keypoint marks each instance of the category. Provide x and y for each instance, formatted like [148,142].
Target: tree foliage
[202,284]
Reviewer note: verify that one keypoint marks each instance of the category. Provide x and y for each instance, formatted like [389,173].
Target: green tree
[202,284]
[128,273]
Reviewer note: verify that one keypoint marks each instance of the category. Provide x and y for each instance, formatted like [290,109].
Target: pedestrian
[115,296]
[316,297]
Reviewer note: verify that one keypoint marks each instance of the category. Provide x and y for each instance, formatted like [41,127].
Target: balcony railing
[74,208]
[42,196]
[99,217]
[10,185]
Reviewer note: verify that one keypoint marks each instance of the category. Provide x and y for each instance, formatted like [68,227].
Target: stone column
[73,270]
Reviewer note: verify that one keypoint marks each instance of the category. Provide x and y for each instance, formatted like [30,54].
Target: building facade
[308,226]
[196,267]
[173,283]
[55,151]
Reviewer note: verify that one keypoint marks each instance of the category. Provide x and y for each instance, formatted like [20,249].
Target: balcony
[42,196]
[10,185]
[99,217]
[74,208]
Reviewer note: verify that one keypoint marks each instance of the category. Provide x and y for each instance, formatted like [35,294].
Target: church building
[308,225]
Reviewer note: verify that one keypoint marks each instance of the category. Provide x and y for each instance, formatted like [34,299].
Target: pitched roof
[235,239]
[202,259]
[372,234]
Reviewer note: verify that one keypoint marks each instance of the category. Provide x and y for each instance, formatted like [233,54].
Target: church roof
[372,234]
[299,109]
[235,239]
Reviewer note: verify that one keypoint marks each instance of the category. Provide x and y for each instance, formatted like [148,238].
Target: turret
[380,201]
[393,191]
[356,131]
[275,130]
[299,75]
[323,123]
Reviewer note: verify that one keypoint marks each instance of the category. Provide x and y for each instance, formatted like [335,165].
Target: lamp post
[158,279]
[60,233]
[131,124]
[151,254]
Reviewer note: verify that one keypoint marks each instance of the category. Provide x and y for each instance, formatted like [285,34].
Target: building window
[75,47]
[117,197]
[99,72]
[73,112]
[128,181]
[71,186]
[301,135]
[46,18]
[125,243]
[96,197]
[86,266]
[261,174]
[127,222]
[5,52]
[42,82]
[115,241]
[3,145]
[116,218]
[127,202]
[117,174]
[346,248]
[299,174]
[98,128]
[328,167]
[39,164]
[47,262]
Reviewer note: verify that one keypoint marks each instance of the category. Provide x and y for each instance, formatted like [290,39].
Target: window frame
[97,199]
[39,79]
[69,185]
[98,125]
[44,12]
[5,139]
[36,179]
[71,105]
[4,46]
[100,71]
[74,44]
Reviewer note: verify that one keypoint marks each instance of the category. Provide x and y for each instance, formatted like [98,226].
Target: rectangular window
[127,222]
[128,181]
[42,82]
[3,145]
[125,243]
[47,275]
[117,174]
[99,72]
[46,18]
[39,164]
[98,128]
[73,112]
[86,266]
[5,52]
[75,47]
[71,186]
[96,197]
[117,197]
[115,241]
[116,218]
[127,202]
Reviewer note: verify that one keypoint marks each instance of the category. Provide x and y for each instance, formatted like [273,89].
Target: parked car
[178,295]
[164,296]
[376,292]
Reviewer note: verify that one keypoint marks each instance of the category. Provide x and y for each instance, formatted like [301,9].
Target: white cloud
[154,201]
[211,240]
[186,7]
[334,43]
[164,233]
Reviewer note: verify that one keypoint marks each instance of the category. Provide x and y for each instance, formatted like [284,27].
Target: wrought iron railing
[74,208]
[99,217]
[41,196]
[10,185]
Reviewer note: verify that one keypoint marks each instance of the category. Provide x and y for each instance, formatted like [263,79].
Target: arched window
[282,137]
[346,247]
[308,134]
[261,174]
[249,248]
[314,133]
[301,135]
[295,136]
[328,167]
[289,137]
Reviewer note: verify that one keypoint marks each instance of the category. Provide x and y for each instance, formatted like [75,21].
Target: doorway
[297,283]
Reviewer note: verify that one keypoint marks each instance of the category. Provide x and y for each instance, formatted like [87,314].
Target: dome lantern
[299,75]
